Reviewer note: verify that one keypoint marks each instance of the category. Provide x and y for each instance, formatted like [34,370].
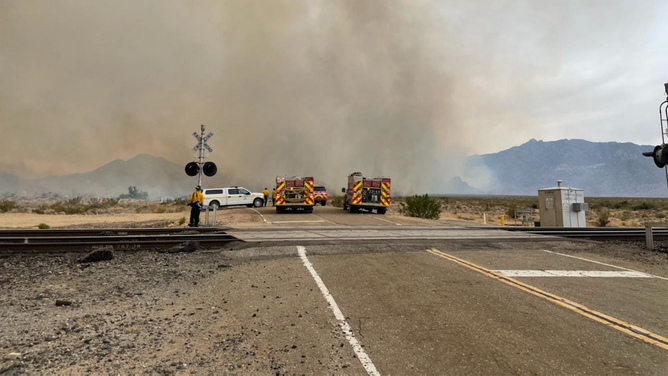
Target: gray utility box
[562,207]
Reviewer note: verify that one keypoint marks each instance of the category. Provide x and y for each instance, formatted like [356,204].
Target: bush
[180,201]
[644,206]
[135,193]
[43,226]
[511,211]
[336,201]
[603,219]
[7,205]
[421,207]
[182,220]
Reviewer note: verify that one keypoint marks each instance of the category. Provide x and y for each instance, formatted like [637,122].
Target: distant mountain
[157,176]
[600,168]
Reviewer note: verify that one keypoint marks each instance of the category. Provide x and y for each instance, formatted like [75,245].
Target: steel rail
[100,231]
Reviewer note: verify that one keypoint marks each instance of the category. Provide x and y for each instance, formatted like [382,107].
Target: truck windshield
[320,189]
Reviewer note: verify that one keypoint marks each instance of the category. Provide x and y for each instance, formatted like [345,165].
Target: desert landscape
[23,212]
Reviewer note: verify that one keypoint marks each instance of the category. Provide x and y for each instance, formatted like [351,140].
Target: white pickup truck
[232,196]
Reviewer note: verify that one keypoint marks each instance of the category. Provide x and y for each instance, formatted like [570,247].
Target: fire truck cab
[367,193]
[294,193]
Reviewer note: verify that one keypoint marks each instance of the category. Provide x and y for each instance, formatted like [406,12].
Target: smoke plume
[397,88]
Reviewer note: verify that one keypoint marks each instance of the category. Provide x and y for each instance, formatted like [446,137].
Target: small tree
[421,207]
[134,193]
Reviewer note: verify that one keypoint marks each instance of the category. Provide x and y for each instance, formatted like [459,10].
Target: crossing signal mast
[197,168]
[660,152]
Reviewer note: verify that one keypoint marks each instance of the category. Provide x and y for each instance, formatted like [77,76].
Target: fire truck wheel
[324,203]
[382,211]
[257,202]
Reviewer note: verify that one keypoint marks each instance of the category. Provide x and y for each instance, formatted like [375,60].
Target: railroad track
[593,233]
[56,241]
[33,233]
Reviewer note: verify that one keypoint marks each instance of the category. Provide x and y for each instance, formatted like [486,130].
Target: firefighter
[196,200]
[273,197]
[265,192]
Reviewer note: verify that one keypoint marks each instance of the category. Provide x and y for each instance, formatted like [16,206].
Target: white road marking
[383,219]
[602,263]
[317,221]
[263,218]
[347,331]
[573,273]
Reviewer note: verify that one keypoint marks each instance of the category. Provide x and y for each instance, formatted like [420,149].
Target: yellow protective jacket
[196,197]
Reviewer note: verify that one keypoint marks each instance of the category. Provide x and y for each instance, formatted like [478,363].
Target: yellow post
[503,220]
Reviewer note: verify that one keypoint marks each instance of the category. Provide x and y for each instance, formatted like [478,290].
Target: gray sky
[402,88]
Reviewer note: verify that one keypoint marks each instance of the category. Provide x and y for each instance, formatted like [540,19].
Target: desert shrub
[135,193]
[38,211]
[157,208]
[421,207]
[511,211]
[336,201]
[626,216]
[7,205]
[603,219]
[180,201]
[644,206]
[182,220]
[101,203]
[70,206]
[43,226]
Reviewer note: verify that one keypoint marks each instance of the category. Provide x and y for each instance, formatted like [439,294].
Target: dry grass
[620,212]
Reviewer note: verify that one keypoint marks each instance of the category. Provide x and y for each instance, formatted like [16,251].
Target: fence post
[649,237]
[215,209]
[206,216]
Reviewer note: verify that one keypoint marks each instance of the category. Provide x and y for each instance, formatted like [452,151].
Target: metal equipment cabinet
[562,207]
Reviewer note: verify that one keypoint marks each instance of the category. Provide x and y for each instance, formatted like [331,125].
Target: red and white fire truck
[294,193]
[367,193]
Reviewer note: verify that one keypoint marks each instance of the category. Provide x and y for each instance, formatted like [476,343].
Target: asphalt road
[323,216]
[264,309]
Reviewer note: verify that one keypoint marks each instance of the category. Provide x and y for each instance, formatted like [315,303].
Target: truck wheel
[381,210]
[280,209]
[309,210]
[353,209]
[258,202]
[214,204]
[324,203]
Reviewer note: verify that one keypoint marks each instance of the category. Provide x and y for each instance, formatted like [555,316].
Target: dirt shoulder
[28,220]
[164,313]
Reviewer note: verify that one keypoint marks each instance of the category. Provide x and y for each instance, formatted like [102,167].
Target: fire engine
[294,193]
[366,193]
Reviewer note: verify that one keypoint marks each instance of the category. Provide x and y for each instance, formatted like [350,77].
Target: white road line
[602,263]
[317,221]
[383,219]
[347,331]
[574,273]
[263,218]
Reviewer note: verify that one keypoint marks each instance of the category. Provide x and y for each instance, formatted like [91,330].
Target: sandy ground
[257,310]
[26,220]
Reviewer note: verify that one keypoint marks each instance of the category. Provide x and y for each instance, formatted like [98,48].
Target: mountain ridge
[600,168]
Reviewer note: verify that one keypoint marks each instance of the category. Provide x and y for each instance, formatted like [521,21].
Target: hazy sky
[403,88]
